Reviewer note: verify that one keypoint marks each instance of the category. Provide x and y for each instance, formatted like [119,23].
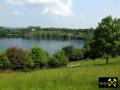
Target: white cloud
[16,13]
[41,1]
[56,7]
[19,2]
[15,2]
[69,2]
[63,9]
[59,8]
[46,10]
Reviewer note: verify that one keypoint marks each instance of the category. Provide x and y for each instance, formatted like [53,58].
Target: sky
[56,13]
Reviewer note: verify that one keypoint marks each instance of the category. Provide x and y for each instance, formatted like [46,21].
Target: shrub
[29,63]
[77,54]
[4,62]
[39,56]
[73,53]
[60,58]
[68,51]
[18,58]
[53,62]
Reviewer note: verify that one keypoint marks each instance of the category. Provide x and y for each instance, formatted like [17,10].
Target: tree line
[45,33]
[18,59]
[15,58]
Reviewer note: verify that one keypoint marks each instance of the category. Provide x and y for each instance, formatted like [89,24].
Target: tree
[39,56]
[18,58]
[103,40]
[53,62]
[77,54]
[4,62]
[74,54]
[68,51]
[60,58]
[116,28]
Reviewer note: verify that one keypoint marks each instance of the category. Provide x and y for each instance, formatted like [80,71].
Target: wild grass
[83,77]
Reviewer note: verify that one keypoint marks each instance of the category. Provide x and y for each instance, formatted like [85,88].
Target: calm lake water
[51,46]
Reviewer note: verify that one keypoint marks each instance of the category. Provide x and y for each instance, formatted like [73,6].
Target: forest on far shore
[46,33]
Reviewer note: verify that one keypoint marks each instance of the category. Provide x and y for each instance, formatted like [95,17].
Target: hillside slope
[84,76]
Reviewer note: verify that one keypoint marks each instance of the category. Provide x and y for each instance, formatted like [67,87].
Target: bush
[53,62]
[73,53]
[4,62]
[68,50]
[60,58]
[18,58]
[39,56]
[29,64]
[77,54]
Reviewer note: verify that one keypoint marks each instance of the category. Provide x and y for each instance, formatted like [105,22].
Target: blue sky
[56,13]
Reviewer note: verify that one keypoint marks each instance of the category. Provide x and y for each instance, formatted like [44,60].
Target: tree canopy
[105,39]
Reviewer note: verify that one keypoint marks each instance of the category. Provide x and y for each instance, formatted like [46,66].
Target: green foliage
[103,39]
[53,62]
[103,44]
[116,48]
[29,64]
[73,54]
[60,58]
[77,54]
[18,58]
[45,33]
[68,51]
[39,56]
[4,62]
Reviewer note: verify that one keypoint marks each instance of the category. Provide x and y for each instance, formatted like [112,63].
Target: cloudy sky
[56,13]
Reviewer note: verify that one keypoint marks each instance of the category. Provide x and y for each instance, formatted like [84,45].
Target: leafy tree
[4,62]
[73,54]
[60,58]
[103,40]
[18,58]
[29,64]
[53,62]
[68,51]
[77,54]
[116,28]
[39,56]
[116,48]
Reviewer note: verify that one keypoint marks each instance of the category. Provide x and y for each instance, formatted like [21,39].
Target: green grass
[83,77]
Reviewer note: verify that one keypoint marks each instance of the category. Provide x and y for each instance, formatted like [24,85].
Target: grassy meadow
[80,75]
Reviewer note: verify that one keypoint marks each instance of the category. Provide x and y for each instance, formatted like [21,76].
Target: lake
[51,46]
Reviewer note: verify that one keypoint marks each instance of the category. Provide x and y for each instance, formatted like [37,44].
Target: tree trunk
[106,60]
